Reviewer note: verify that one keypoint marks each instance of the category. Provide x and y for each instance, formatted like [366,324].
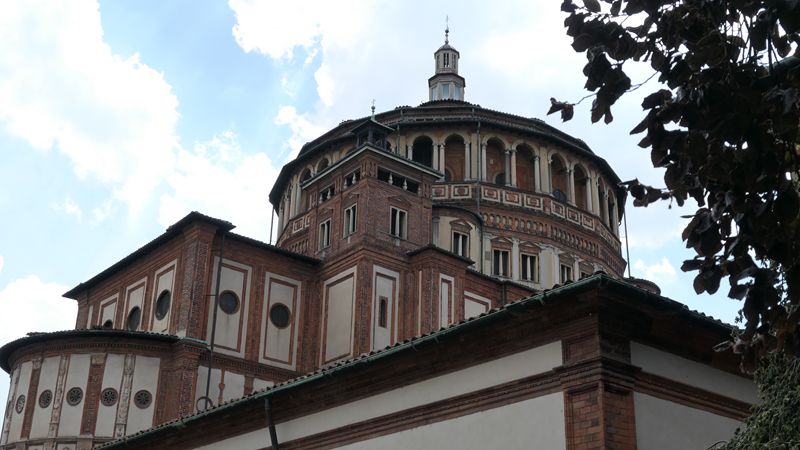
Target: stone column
[483,162]
[409,152]
[571,185]
[595,188]
[614,221]
[588,187]
[537,180]
[467,162]
[442,153]
[507,168]
[515,258]
[513,167]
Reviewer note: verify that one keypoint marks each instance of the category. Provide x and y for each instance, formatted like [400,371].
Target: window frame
[350,220]
[500,257]
[398,222]
[561,277]
[532,266]
[463,248]
[325,234]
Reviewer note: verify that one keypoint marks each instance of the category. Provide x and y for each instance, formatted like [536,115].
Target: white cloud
[62,87]
[661,272]
[71,208]
[303,129]
[218,179]
[2,261]
[30,304]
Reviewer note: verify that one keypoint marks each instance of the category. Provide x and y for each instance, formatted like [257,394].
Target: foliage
[724,126]
[774,423]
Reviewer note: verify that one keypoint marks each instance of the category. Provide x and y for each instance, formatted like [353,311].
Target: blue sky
[118,118]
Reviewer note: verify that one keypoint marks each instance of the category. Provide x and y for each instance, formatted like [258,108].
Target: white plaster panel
[339,315]
[537,423]
[259,385]
[664,425]
[231,331]
[165,280]
[475,304]
[48,378]
[38,447]
[145,376]
[77,376]
[384,285]
[112,378]
[213,387]
[693,373]
[234,386]
[108,311]
[279,345]
[134,296]
[21,388]
[502,370]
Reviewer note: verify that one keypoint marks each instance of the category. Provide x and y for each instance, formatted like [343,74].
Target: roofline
[171,231]
[508,310]
[37,338]
[547,131]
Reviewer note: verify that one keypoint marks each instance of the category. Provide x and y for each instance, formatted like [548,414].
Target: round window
[108,396]
[134,318]
[20,404]
[279,315]
[142,399]
[45,398]
[228,302]
[74,396]
[162,304]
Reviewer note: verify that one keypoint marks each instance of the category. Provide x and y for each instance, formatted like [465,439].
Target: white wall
[112,378]
[231,331]
[20,387]
[492,373]
[145,376]
[693,373]
[77,376]
[664,425]
[338,311]
[537,423]
[279,345]
[48,378]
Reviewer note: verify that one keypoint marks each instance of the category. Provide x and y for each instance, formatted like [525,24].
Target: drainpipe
[478,195]
[273,435]
[214,318]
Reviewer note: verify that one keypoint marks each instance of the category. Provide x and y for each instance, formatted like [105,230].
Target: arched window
[304,195]
[526,168]
[495,160]
[422,151]
[454,160]
[558,178]
[322,165]
[581,181]
[500,178]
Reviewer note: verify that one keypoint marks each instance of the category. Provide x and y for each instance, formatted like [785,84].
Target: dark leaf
[592,5]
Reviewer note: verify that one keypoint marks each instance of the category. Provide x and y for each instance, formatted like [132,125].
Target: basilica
[444,276]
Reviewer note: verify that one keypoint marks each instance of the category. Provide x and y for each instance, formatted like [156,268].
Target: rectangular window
[325,234]
[445,91]
[460,244]
[566,273]
[383,306]
[397,225]
[350,222]
[529,268]
[500,263]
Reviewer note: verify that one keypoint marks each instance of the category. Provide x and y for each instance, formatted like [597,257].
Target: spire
[446,83]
